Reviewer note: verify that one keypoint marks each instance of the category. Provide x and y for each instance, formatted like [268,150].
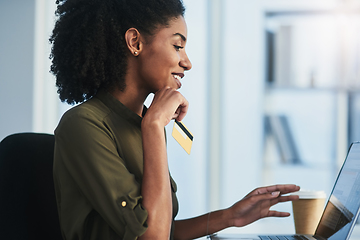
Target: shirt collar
[120,109]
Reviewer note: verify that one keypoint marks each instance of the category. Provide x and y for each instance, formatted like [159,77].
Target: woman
[110,167]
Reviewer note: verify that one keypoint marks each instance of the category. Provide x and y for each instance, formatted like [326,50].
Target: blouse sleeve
[87,149]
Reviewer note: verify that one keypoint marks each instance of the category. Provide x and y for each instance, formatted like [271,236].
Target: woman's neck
[131,98]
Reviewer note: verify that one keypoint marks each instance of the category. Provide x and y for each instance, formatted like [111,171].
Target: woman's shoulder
[91,110]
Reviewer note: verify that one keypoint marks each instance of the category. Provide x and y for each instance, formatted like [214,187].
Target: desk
[276,226]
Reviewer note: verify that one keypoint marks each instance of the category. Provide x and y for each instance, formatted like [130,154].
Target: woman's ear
[132,38]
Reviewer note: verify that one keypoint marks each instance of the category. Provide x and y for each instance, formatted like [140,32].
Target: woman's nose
[185,62]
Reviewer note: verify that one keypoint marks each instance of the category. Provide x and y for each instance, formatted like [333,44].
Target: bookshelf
[312,94]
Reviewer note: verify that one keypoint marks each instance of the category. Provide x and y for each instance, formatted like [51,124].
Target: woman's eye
[178,47]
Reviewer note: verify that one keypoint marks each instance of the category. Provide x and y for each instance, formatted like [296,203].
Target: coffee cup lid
[308,194]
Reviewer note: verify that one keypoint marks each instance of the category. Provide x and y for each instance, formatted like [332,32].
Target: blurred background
[274,94]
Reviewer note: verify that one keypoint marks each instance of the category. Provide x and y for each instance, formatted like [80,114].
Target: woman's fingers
[182,107]
[272,197]
[288,198]
[278,214]
[181,111]
[283,188]
[275,197]
[168,104]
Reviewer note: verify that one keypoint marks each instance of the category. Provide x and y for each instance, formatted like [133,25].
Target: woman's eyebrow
[182,36]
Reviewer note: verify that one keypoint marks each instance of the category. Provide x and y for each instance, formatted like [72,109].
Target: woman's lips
[177,79]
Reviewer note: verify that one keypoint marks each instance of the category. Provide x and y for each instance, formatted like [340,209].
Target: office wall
[16,65]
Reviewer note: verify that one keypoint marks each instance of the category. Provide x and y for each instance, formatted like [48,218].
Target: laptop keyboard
[292,237]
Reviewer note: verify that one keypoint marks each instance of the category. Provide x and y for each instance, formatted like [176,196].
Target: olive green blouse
[98,169]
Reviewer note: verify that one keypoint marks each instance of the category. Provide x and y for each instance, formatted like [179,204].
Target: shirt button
[123,204]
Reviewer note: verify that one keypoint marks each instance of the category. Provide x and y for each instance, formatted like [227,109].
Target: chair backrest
[27,196]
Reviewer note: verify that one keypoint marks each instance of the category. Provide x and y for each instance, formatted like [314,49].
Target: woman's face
[163,59]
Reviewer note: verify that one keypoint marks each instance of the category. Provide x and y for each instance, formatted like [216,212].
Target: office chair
[27,196]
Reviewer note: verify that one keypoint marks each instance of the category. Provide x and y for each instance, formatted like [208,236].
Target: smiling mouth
[178,79]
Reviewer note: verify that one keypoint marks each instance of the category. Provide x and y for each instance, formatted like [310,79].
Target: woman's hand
[167,104]
[252,207]
[257,204]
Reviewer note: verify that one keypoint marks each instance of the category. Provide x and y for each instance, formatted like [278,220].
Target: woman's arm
[252,207]
[156,190]
[201,226]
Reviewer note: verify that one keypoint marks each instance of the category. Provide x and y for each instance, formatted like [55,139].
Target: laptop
[341,211]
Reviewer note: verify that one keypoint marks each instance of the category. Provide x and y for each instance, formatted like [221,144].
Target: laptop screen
[344,202]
